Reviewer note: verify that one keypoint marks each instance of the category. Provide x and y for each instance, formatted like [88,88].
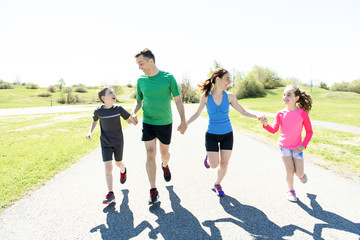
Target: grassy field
[33,148]
[336,150]
[337,107]
[20,97]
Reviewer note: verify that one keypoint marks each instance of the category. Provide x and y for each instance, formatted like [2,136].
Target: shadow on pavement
[252,220]
[179,224]
[120,224]
[332,220]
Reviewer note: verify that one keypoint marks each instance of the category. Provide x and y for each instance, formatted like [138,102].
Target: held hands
[299,149]
[133,119]
[263,119]
[182,127]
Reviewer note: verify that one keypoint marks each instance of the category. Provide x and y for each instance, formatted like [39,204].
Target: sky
[94,42]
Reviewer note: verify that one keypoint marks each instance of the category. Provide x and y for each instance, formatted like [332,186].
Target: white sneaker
[291,196]
[304,179]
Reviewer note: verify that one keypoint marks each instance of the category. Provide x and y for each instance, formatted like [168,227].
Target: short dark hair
[102,92]
[146,53]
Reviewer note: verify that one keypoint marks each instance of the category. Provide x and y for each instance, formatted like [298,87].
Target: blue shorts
[285,152]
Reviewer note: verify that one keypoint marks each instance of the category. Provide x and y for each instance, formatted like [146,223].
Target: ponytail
[207,85]
[305,100]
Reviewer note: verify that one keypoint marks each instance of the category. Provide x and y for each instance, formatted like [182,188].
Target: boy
[111,138]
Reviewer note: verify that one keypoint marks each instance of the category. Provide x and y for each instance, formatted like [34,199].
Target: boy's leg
[118,155]
[108,175]
[150,147]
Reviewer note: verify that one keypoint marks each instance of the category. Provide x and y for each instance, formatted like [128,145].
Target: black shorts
[212,141]
[161,132]
[107,152]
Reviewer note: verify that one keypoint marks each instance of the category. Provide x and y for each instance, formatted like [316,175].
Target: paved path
[69,206]
[77,108]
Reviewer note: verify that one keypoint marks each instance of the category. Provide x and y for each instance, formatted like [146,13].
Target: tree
[215,66]
[61,83]
[248,86]
[188,94]
[268,78]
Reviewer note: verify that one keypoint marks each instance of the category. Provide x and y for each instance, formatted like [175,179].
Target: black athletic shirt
[110,124]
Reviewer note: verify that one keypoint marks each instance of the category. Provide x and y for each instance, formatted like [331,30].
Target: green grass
[33,148]
[336,150]
[337,107]
[20,97]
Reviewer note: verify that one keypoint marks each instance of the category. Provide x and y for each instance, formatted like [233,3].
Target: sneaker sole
[214,190]
[151,203]
[112,201]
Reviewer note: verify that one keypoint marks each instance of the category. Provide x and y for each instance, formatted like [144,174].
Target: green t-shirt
[155,92]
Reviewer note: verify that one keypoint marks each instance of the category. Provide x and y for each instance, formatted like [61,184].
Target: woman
[219,134]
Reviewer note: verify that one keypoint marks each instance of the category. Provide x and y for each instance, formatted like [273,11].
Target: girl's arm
[202,104]
[275,127]
[236,105]
[308,129]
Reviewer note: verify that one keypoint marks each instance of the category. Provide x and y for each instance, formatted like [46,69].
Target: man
[154,90]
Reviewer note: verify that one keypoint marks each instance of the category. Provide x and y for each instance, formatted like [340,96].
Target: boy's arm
[92,126]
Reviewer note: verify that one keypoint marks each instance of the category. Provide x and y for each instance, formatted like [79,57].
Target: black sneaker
[109,198]
[123,177]
[167,174]
[154,196]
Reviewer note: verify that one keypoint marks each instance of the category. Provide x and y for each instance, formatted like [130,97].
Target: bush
[344,86]
[44,94]
[61,100]
[5,85]
[268,78]
[129,85]
[81,89]
[52,88]
[32,86]
[119,90]
[323,85]
[355,86]
[249,87]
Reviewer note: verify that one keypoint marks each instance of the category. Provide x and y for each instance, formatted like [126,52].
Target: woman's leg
[224,163]
[213,159]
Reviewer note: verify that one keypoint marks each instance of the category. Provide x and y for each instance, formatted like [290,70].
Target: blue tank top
[219,121]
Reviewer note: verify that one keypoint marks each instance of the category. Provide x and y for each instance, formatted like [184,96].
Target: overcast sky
[94,42]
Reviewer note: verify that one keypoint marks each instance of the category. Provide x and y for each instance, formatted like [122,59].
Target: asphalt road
[255,206]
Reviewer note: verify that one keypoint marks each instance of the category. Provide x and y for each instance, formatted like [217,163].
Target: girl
[291,120]
[219,131]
